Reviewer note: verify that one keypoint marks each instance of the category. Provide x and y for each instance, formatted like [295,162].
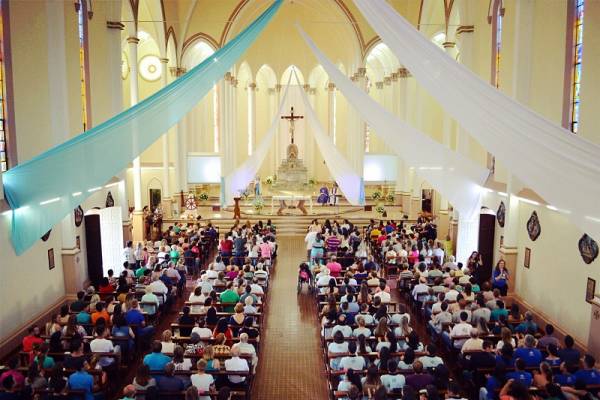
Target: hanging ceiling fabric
[348,180]
[455,177]
[238,180]
[43,190]
[561,167]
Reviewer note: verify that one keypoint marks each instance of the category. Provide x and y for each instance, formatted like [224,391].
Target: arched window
[496,21]
[573,65]
[8,156]
[83,63]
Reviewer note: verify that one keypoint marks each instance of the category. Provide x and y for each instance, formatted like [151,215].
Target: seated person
[235,363]
[527,326]
[568,354]
[352,361]
[589,374]
[419,379]
[528,353]
[431,359]
[169,382]
[482,359]
[392,381]
[519,374]
[548,337]
[156,360]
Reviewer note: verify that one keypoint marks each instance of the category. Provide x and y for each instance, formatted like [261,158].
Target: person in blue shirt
[505,358]
[566,377]
[527,326]
[568,354]
[81,380]
[528,353]
[135,317]
[498,311]
[520,374]
[156,360]
[495,381]
[589,374]
[84,318]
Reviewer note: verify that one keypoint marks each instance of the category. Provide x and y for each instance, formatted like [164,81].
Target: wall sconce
[90,11]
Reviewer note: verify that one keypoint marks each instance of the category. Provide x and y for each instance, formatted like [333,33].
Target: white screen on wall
[204,169]
[380,168]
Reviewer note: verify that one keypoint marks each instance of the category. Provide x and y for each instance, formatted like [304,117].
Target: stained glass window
[3,149]
[498,45]
[82,62]
[578,55]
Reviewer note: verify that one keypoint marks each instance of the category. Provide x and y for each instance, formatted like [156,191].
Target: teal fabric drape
[43,190]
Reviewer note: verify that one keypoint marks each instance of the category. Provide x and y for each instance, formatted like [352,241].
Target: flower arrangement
[245,194]
[390,197]
[269,180]
[258,205]
[203,196]
[377,195]
[380,209]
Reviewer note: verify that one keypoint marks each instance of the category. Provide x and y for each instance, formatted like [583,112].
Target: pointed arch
[266,75]
[286,75]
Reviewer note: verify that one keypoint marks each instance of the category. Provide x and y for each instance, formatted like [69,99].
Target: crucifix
[292,118]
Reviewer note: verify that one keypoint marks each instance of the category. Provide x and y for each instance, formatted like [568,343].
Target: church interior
[317,168]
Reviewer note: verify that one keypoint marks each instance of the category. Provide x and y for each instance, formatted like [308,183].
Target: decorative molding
[403,73]
[164,60]
[387,81]
[278,87]
[449,45]
[361,72]
[465,29]
[379,85]
[234,82]
[306,87]
[331,86]
[395,76]
[252,86]
[115,25]
[228,77]
[199,36]
[133,39]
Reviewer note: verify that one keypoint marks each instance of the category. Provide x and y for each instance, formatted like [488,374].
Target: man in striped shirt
[333,242]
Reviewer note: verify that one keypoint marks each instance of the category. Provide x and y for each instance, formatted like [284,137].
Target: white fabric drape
[452,175]
[561,167]
[348,180]
[238,180]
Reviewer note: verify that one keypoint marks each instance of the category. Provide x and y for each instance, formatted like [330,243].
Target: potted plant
[203,196]
[377,195]
[380,209]
[390,198]
[258,205]
[269,180]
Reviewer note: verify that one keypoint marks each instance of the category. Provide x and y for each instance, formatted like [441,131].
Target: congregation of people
[84,350]
[447,329]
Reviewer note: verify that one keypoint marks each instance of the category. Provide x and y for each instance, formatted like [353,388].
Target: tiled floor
[290,363]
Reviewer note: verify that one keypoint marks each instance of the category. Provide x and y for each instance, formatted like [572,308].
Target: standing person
[139,255]
[500,277]
[129,255]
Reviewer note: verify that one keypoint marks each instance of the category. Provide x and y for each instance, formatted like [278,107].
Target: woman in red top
[226,247]
[105,286]
[223,327]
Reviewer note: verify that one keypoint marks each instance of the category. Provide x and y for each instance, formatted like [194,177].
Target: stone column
[277,150]
[310,140]
[465,41]
[138,216]
[356,128]
[331,109]
[166,192]
[402,189]
[252,117]
[227,139]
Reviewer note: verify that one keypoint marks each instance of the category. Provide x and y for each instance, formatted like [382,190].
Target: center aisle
[290,364]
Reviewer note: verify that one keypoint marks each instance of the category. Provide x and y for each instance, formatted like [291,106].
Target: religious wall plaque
[588,249]
[78,215]
[590,290]
[533,226]
[46,236]
[51,264]
[501,214]
[527,258]
[110,202]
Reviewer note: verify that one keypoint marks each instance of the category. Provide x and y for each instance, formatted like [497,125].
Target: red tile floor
[290,362]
